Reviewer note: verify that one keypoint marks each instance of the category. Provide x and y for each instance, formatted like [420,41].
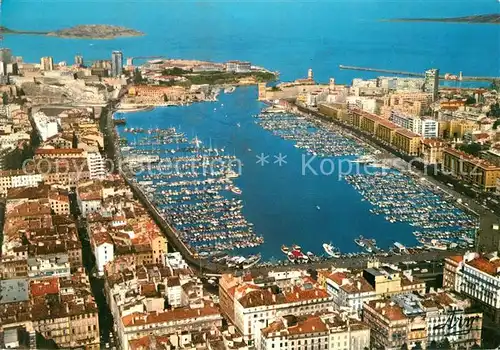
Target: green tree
[433,345]
[496,123]
[175,71]
[494,111]
[5,98]
[471,100]
[418,346]
[471,148]
[165,98]
[495,85]
[137,79]
[404,347]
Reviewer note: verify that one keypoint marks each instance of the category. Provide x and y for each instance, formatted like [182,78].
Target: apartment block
[352,289]
[478,277]
[330,330]
[478,172]
[418,320]
[254,303]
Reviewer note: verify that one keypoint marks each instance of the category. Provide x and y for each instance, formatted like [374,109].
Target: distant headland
[92,31]
[482,19]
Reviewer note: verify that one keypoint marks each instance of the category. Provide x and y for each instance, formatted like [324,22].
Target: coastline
[135,109]
[89,32]
[91,37]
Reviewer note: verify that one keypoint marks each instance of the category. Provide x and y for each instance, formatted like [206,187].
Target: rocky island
[93,31]
[483,19]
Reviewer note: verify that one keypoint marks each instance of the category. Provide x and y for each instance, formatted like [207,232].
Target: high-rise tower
[116,63]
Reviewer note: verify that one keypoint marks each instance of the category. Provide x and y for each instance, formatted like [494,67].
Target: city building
[46,63]
[478,172]
[351,289]
[103,248]
[410,320]
[408,102]
[209,339]
[254,303]
[478,277]
[431,151]
[492,155]
[335,111]
[46,127]
[400,138]
[407,142]
[410,122]
[456,129]
[188,319]
[238,66]
[429,128]
[140,299]
[333,331]
[89,197]
[79,60]
[18,178]
[116,63]
[431,82]
[424,126]
[60,309]
[96,164]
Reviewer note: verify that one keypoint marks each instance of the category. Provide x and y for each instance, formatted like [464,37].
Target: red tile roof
[476,161]
[138,318]
[44,287]
[387,309]
[491,267]
[456,258]
[407,133]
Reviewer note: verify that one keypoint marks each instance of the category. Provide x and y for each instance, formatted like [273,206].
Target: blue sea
[288,36]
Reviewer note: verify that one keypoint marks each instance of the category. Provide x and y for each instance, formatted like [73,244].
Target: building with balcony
[352,289]
[478,277]
[412,319]
[333,331]
[478,172]
[254,303]
[431,151]
[18,178]
[407,142]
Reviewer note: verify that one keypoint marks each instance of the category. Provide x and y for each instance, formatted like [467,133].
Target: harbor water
[288,203]
[285,206]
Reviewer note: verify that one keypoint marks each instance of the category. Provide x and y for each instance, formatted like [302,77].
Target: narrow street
[96,284]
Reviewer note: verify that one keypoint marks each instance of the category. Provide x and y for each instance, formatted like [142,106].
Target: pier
[416,75]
